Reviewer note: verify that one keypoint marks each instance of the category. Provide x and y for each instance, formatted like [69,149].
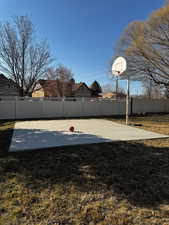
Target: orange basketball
[71,129]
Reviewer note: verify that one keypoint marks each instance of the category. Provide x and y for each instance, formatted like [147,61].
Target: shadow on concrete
[129,170]
[30,139]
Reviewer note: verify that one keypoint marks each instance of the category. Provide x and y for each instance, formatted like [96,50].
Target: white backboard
[119,66]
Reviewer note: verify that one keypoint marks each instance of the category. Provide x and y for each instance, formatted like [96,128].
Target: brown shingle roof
[51,86]
[54,87]
[45,83]
[78,85]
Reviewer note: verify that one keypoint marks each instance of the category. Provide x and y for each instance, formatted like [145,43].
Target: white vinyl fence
[30,108]
[150,106]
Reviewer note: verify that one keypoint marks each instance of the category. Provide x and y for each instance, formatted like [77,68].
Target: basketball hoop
[119,66]
[116,73]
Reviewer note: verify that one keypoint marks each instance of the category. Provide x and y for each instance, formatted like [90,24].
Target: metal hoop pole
[117,86]
[127,101]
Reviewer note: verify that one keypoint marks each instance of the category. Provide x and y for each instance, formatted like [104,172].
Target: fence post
[16,99]
[43,107]
[83,105]
[131,106]
[63,108]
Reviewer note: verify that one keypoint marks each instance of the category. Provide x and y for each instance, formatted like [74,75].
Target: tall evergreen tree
[96,88]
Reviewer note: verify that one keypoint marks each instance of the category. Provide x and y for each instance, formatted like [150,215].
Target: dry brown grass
[157,123]
[6,130]
[111,183]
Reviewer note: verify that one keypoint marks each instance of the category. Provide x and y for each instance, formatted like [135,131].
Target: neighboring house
[7,87]
[81,90]
[46,88]
[54,88]
[114,95]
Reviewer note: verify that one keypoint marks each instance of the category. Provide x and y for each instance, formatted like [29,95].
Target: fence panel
[92,107]
[150,106]
[29,109]
[119,108]
[47,108]
[7,109]
[52,109]
[166,105]
[107,108]
[73,108]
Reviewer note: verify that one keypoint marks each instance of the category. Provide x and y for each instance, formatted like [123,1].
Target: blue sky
[82,33]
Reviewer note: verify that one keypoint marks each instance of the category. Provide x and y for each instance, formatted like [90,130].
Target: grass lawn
[156,123]
[104,184]
[6,130]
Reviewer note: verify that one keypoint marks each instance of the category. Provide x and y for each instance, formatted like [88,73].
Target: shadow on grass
[129,170]
[6,131]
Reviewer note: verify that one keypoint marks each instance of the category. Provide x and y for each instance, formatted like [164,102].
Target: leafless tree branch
[21,58]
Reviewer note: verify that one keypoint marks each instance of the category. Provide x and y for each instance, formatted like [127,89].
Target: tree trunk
[167,91]
[21,92]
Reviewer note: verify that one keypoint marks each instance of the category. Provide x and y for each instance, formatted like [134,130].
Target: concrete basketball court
[41,134]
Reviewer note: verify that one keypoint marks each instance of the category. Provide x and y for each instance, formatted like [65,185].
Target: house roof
[78,85]
[2,77]
[43,84]
[4,80]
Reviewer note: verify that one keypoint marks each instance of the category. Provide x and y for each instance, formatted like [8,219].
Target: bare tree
[166,2]
[111,88]
[61,72]
[146,47]
[21,58]
[63,77]
[152,90]
[107,88]
[166,92]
